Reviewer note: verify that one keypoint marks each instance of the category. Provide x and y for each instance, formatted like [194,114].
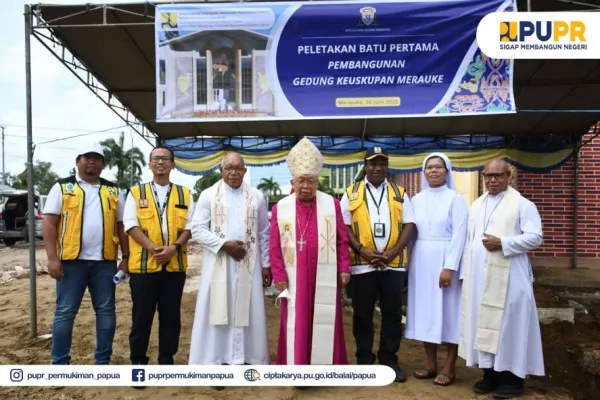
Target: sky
[63,107]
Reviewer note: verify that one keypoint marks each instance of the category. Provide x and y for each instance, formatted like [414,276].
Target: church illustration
[214,74]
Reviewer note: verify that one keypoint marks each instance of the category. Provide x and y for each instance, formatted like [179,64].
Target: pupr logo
[169,20]
[542,31]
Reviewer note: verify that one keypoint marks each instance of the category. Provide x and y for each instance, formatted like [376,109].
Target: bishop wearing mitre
[309,256]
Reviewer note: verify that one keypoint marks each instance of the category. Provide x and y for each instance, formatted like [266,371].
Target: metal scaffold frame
[43,31]
[536,80]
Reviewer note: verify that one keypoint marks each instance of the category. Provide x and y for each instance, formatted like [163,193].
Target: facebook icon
[138,375]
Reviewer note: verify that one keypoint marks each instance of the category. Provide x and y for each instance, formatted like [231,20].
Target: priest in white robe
[500,331]
[231,223]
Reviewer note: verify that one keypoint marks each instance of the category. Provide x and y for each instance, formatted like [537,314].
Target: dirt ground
[564,346]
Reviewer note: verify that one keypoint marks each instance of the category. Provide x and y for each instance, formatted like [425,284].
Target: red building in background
[568,199]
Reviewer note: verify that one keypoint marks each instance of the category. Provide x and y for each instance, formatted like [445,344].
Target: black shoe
[219,388]
[400,375]
[139,387]
[509,386]
[507,391]
[488,383]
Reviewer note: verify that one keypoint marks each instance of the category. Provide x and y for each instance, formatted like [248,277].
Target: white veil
[449,181]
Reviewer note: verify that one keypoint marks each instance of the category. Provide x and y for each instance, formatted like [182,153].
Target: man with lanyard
[82,227]
[380,223]
[157,219]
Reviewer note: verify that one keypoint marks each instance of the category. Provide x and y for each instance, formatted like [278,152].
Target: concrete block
[550,315]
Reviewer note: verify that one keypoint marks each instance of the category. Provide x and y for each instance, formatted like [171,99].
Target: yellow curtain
[469,160]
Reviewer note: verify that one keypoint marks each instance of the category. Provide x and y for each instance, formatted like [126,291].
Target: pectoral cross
[301,243]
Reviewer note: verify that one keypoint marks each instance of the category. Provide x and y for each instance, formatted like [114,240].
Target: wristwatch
[177,246]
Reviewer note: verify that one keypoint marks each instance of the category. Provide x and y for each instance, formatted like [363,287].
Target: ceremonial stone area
[568,302]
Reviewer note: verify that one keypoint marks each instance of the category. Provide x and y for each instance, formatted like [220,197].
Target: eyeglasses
[498,177]
[307,181]
[231,170]
[160,158]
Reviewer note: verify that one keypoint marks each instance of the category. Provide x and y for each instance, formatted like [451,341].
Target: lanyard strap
[380,198]
[161,209]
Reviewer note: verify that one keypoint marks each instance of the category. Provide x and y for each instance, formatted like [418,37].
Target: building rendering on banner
[212,73]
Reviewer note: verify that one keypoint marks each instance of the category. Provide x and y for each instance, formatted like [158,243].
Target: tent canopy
[199,156]
[113,45]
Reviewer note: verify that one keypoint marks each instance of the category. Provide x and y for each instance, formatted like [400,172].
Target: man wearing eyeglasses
[157,218]
[500,330]
[231,223]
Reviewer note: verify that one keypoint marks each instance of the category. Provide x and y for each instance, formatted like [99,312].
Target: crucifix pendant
[301,243]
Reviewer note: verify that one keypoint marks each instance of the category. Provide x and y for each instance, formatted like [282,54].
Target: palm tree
[129,163]
[205,182]
[269,187]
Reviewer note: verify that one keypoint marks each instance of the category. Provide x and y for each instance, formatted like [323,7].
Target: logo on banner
[169,20]
[252,375]
[138,375]
[367,15]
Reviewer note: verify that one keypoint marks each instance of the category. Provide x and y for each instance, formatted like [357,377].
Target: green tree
[127,162]
[269,187]
[205,182]
[43,177]
[8,179]
[324,186]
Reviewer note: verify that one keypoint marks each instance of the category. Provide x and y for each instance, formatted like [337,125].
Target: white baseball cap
[92,148]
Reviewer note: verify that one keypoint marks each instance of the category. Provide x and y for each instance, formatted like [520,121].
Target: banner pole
[30,183]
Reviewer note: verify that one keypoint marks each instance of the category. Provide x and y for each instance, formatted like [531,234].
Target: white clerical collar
[498,196]
[438,189]
[383,184]
[232,189]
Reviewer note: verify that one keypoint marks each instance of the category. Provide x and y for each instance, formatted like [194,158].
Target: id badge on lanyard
[379,230]
[378,227]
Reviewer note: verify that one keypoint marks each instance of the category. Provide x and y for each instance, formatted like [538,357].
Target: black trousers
[149,292]
[387,286]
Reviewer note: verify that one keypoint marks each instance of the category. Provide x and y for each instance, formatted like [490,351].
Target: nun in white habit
[434,290]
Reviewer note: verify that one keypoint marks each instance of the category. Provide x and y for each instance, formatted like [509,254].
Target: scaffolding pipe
[576,148]
[30,191]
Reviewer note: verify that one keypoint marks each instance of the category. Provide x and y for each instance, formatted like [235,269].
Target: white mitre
[305,159]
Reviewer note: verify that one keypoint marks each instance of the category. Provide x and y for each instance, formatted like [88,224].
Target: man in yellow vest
[380,223]
[157,219]
[82,228]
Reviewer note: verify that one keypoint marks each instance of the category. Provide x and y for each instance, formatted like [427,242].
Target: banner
[196,375]
[342,59]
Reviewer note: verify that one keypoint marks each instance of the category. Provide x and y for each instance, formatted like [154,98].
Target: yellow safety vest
[361,221]
[70,224]
[140,260]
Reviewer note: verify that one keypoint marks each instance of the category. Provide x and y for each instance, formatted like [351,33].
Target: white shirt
[92,227]
[130,218]
[383,216]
